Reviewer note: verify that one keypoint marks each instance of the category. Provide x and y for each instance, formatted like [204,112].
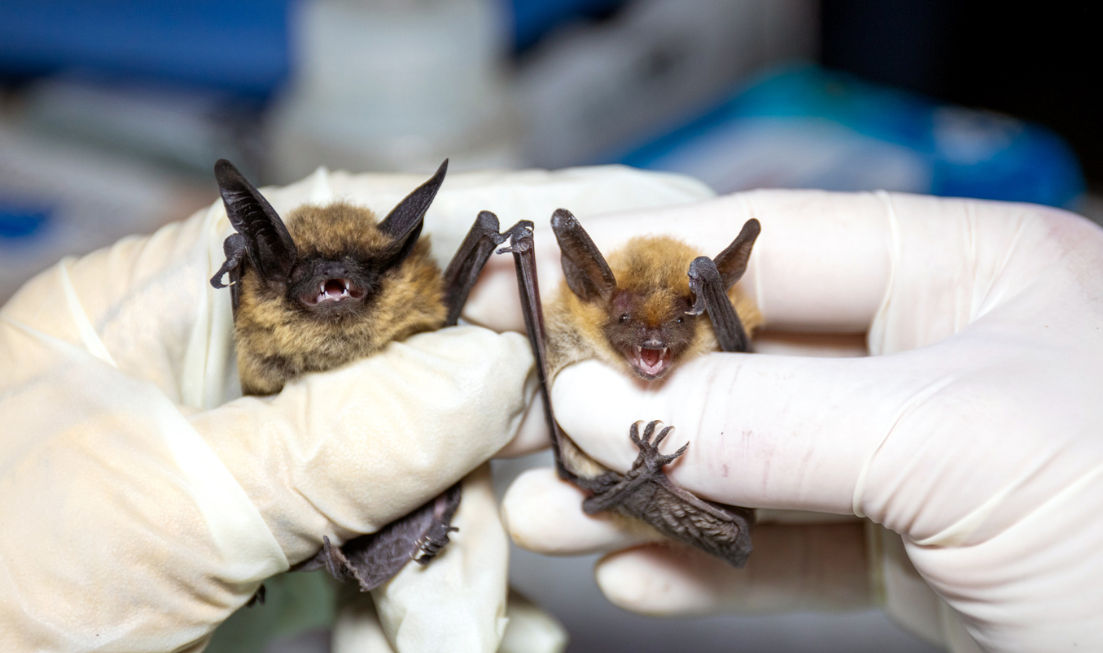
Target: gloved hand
[144,500]
[975,430]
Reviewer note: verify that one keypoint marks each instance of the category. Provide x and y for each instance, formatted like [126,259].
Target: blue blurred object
[236,45]
[811,128]
[19,220]
[532,19]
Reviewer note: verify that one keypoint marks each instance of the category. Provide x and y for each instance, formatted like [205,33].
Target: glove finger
[357,628]
[763,431]
[820,345]
[533,435]
[767,431]
[793,567]
[530,629]
[544,514]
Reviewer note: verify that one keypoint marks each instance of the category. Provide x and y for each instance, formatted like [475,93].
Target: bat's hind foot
[435,536]
[433,542]
[612,490]
[646,493]
[650,462]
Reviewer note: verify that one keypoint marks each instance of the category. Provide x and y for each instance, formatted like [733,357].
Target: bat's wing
[707,284]
[710,280]
[263,235]
[405,220]
[464,269]
[375,558]
[524,259]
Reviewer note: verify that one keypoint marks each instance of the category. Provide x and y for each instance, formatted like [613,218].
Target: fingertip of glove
[655,579]
[627,578]
[544,514]
[520,507]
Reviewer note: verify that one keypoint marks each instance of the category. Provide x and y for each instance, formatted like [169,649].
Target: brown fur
[277,340]
[655,268]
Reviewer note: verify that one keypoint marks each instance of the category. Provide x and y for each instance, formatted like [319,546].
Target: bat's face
[651,330]
[343,262]
[345,295]
[647,319]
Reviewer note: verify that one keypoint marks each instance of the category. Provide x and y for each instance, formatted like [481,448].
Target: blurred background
[112,113]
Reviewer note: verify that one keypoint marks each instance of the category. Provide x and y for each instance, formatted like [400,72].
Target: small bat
[640,311]
[333,285]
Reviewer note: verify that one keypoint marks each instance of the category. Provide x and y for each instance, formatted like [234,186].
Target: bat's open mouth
[335,290]
[650,363]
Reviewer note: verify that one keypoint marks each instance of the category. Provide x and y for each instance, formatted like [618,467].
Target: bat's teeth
[334,289]
[649,361]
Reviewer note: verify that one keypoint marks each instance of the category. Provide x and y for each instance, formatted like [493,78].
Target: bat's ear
[404,222]
[732,262]
[270,247]
[587,273]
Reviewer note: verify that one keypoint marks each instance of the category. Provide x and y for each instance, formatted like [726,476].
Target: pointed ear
[587,273]
[404,222]
[267,241]
[732,262]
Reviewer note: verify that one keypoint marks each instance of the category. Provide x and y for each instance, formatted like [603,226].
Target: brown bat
[641,311]
[332,285]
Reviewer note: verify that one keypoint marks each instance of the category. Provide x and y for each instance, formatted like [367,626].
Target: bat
[332,285]
[641,311]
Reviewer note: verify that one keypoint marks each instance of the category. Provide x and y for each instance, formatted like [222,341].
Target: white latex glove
[143,503]
[975,430]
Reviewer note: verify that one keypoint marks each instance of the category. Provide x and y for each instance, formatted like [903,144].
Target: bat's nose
[653,339]
[334,269]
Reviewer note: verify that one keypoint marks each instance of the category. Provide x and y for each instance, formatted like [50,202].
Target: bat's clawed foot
[435,540]
[615,491]
[650,459]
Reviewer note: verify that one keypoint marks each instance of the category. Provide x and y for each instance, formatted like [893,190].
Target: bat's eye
[680,319]
[623,318]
